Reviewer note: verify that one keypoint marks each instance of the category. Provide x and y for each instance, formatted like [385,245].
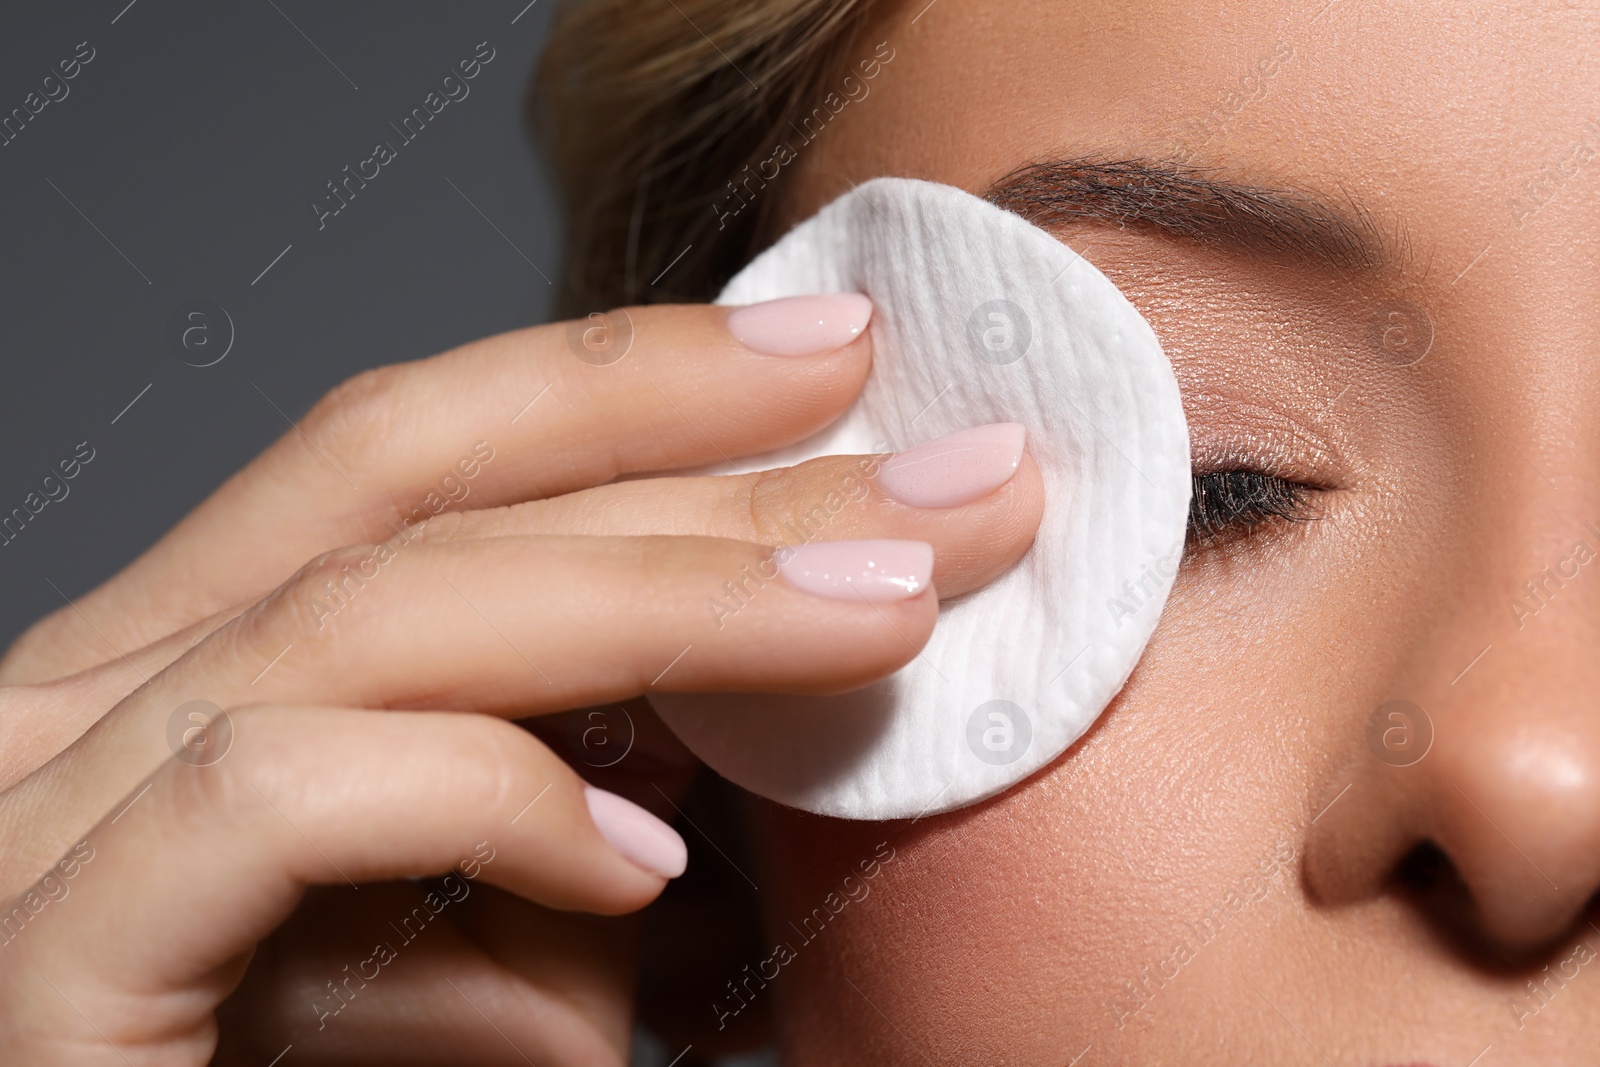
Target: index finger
[519,416]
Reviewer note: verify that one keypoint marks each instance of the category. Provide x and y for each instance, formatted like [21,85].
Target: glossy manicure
[876,571]
[641,837]
[801,325]
[957,468]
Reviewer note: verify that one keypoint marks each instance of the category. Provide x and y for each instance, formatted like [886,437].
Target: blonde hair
[650,109]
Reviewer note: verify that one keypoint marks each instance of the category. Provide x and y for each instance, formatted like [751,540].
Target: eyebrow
[1187,203]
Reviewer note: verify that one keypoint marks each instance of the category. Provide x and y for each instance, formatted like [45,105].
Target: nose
[1496,765]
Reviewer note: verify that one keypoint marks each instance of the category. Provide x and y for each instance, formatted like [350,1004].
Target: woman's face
[1246,860]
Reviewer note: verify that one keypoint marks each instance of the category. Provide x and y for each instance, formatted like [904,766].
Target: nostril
[1425,870]
[1429,882]
[1494,833]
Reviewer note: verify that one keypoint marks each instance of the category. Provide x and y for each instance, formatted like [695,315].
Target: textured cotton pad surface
[980,317]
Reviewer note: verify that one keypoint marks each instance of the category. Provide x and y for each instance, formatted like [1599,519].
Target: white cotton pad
[980,317]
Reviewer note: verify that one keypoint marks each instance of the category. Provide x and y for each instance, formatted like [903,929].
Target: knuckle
[799,504]
[326,565]
[500,760]
[204,796]
[298,610]
[765,500]
[194,799]
[343,571]
[355,421]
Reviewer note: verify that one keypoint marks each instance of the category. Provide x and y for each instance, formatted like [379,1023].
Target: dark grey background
[192,143]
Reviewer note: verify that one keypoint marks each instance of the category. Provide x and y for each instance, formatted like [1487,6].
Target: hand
[559,985]
[588,593]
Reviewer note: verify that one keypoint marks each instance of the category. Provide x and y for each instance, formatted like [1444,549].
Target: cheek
[1049,911]
[1015,888]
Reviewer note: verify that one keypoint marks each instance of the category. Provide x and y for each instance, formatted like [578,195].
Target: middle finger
[975,495]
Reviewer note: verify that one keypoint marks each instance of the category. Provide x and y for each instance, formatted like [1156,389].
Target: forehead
[1411,107]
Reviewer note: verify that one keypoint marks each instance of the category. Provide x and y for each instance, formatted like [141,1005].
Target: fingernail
[957,468]
[641,837]
[801,325]
[876,571]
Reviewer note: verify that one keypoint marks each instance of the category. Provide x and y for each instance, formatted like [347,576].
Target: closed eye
[1230,503]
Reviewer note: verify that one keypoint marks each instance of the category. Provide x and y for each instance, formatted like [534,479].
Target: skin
[1005,933]
[372,745]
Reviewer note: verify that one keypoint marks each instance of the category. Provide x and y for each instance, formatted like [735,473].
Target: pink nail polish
[641,837]
[801,325]
[957,468]
[876,571]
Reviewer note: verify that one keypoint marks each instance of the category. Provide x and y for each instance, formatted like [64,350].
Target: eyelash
[1232,503]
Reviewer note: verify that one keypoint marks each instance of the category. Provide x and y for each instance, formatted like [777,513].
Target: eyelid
[1227,504]
[1282,450]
